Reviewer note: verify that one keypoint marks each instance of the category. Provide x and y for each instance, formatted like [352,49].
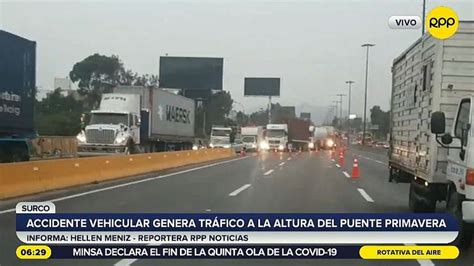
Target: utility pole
[349,129]
[340,106]
[423,18]
[367,45]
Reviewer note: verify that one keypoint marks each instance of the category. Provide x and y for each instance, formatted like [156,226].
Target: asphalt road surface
[298,182]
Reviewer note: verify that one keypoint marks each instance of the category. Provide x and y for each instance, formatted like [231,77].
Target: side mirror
[438,123]
[446,139]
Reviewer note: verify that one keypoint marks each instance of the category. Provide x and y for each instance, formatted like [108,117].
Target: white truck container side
[171,114]
[140,90]
[129,103]
[431,75]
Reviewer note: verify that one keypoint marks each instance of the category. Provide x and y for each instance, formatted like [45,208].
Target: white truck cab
[221,137]
[460,168]
[113,128]
[276,137]
[252,137]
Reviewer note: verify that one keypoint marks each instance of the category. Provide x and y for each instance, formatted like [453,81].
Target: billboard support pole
[269,109]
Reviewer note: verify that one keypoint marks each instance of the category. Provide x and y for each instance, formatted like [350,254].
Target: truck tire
[419,206]
[453,206]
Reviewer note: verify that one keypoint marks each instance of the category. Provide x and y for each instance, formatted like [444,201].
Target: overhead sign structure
[189,73]
[262,87]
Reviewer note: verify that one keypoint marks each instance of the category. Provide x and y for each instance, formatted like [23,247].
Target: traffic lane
[374,176]
[379,155]
[308,183]
[191,191]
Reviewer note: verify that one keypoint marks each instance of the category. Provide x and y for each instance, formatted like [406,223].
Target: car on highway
[382,144]
[238,145]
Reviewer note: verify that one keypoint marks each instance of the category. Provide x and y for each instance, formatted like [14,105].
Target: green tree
[259,118]
[217,108]
[57,115]
[380,118]
[97,74]
[242,119]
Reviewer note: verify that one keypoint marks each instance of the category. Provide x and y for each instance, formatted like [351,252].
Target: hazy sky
[314,46]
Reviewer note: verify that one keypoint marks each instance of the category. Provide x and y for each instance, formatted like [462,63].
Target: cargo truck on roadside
[252,137]
[17,96]
[291,135]
[136,119]
[432,92]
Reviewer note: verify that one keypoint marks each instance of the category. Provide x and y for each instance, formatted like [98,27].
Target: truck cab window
[462,121]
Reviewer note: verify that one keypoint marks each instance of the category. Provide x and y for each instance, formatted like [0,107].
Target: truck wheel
[419,206]
[453,206]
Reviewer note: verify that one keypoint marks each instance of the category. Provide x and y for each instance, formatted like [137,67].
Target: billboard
[306,116]
[262,87]
[191,72]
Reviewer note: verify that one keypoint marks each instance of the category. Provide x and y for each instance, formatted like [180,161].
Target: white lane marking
[289,158]
[337,165]
[373,160]
[333,160]
[240,189]
[268,172]
[346,174]
[136,182]
[208,210]
[281,164]
[125,262]
[421,262]
[365,195]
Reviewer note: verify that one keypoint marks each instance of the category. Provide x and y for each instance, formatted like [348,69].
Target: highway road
[271,182]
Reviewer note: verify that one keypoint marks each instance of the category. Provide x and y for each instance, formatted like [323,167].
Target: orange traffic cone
[355,169]
[341,159]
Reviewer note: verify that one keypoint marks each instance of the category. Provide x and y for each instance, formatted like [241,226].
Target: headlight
[227,146]
[253,145]
[329,143]
[281,147]
[120,139]
[81,137]
[211,145]
[311,145]
[195,147]
[264,146]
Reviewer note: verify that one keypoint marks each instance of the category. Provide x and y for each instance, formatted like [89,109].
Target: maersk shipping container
[17,84]
[172,115]
[431,75]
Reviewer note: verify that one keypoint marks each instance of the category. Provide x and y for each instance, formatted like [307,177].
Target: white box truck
[252,137]
[136,119]
[433,84]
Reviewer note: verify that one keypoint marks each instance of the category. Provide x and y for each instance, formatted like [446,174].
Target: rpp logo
[442,22]
[437,23]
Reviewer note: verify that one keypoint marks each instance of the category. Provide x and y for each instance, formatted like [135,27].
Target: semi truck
[221,137]
[432,91]
[323,139]
[293,134]
[252,137]
[136,119]
[17,96]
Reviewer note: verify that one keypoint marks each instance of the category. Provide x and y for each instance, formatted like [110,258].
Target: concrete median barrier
[19,179]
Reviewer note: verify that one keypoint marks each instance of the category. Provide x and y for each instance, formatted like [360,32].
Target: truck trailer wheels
[419,202]
[453,206]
